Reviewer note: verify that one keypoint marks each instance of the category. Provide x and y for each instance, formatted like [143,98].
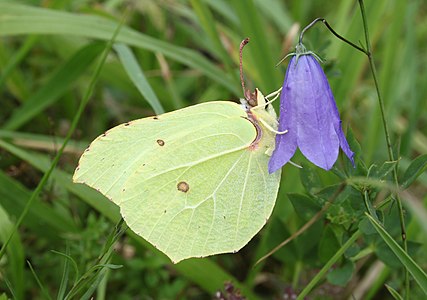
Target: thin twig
[332,31]
[305,226]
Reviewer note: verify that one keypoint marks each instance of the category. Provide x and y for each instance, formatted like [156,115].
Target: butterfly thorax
[262,116]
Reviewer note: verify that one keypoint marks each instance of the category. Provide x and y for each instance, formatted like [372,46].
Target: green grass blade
[393,292]
[89,195]
[39,283]
[419,275]
[101,290]
[16,82]
[16,256]
[94,275]
[101,275]
[73,126]
[222,7]
[64,280]
[412,67]
[41,142]
[208,23]
[11,290]
[17,58]
[16,19]
[277,12]
[68,259]
[137,76]
[57,85]
[415,169]
[261,54]
[42,219]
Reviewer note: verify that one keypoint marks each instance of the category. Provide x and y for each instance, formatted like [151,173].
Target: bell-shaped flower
[309,114]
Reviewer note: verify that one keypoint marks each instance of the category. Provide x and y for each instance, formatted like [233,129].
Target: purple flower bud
[309,113]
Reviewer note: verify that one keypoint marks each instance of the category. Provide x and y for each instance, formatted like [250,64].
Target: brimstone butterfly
[193,182]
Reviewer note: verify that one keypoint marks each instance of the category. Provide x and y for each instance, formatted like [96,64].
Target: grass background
[187,51]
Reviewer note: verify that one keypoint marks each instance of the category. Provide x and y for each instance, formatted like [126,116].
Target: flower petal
[309,113]
[338,129]
[344,144]
[286,144]
[316,138]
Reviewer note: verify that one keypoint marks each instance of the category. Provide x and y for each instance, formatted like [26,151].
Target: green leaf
[137,76]
[342,213]
[383,171]
[355,146]
[386,255]
[310,179]
[277,233]
[366,227]
[415,169]
[328,245]
[418,211]
[341,275]
[304,206]
[419,275]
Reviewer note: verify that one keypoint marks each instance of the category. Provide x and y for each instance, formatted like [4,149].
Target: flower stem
[387,136]
[332,31]
[368,53]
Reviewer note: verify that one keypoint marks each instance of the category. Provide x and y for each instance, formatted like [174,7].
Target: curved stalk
[387,136]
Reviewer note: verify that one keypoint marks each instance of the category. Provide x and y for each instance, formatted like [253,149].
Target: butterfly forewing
[193,182]
[115,155]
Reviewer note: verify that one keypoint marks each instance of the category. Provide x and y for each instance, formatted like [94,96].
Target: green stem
[73,126]
[387,136]
[328,265]
[332,31]
[366,202]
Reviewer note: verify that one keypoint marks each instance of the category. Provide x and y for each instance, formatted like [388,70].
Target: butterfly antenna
[242,80]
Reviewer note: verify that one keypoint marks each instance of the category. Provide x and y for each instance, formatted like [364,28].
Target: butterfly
[193,182]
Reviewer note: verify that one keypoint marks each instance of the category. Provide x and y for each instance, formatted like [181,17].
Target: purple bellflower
[309,114]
